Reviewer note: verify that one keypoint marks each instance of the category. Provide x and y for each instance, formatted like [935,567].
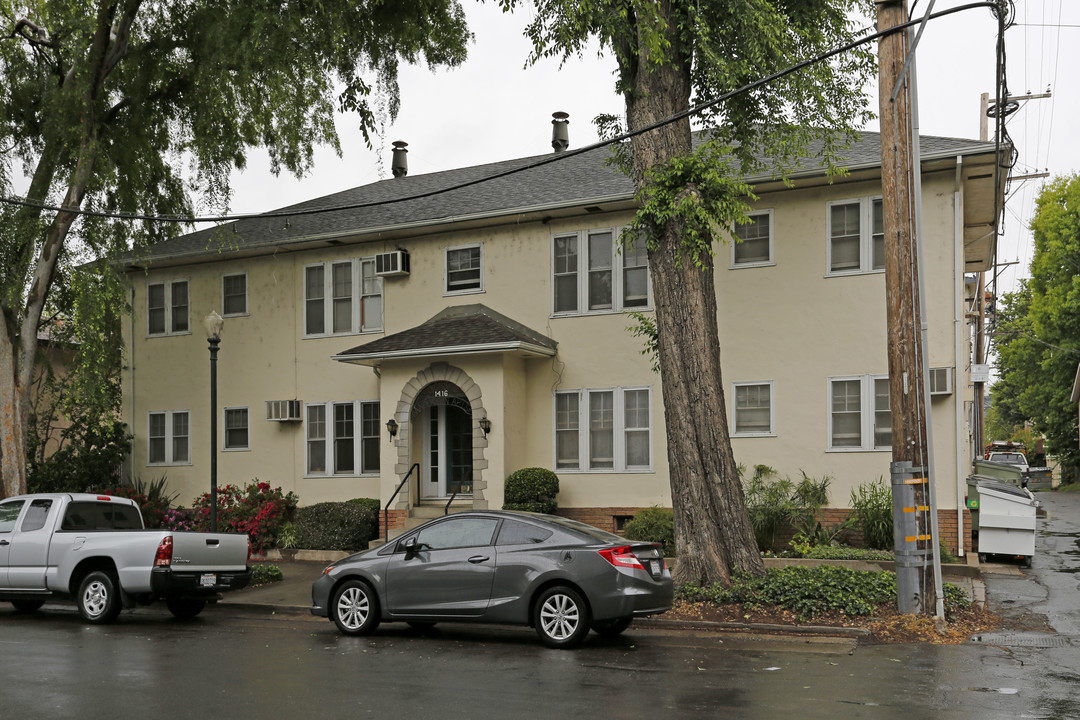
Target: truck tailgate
[199,552]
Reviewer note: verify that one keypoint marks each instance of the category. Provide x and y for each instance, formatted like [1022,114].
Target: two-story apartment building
[467,323]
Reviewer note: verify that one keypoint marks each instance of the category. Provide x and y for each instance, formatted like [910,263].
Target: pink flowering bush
[256,509]
[179,520]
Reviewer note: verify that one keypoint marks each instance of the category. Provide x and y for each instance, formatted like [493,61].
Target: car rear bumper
[167,583]
[635,594]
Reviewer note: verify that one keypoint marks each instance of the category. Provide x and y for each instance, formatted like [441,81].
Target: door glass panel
[459,446]
[9,513]
[458,532]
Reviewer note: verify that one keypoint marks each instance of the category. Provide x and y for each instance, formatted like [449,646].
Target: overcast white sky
[493,108]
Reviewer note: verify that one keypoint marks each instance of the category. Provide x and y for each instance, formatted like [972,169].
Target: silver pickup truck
[93,548]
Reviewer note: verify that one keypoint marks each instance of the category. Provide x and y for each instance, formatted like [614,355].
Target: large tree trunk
[12,426]
[713,534]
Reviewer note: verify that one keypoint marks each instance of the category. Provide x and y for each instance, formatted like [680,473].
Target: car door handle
[5,542]
[477,559]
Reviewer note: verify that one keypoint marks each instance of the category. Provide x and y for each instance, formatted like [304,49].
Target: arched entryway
[441,407]
[443,418]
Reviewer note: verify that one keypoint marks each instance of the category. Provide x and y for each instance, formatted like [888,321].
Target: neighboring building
[489,323]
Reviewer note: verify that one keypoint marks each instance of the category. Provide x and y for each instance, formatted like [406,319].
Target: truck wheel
[27,606]
[99,598]
[185,608]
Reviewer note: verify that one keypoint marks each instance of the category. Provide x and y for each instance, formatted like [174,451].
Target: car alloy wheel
[99,598]
[561,617]
[355,608]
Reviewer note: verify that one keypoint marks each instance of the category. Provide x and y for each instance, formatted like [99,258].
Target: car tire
[185,608]
[613,627]
[27,606]
[355,608]
[99,598]
[561,617]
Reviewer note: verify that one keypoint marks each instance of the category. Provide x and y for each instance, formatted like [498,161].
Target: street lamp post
[213,323]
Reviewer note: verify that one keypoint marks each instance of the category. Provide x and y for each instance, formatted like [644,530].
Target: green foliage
[653,524]
[777,503]
[256,509]
[347,526]
[133,107]
[263,574]
[846,552]
[287,537]
[531,489]
[370,503]
[645,327]
[872,513]
[805,591]
[90,459]
[1038,328]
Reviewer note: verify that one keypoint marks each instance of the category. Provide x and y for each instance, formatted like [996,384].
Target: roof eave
[376,358]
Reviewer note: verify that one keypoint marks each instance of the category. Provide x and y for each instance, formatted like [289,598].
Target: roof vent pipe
[560,135]
[399,165]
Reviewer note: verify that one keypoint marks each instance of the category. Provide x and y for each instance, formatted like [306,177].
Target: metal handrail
[446,510]
[386,510]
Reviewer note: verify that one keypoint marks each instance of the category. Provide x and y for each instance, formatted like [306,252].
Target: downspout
[131,382]
[958,363]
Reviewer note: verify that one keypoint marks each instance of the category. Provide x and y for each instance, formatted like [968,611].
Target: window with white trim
[169,438]
[236,428]
[234,294]
[593,273]
[856,236]
[753,408]
[464,269]
[342,438]
[607,429]
[753,244]
[167,308]
[860,417]
[342,297]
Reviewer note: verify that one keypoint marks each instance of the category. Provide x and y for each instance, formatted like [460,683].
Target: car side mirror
[413,546]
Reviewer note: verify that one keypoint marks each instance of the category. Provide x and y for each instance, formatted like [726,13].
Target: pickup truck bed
[94,549]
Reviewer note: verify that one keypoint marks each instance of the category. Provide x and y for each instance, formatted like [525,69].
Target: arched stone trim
[437,372]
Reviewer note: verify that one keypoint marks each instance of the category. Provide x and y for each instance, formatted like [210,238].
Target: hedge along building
[463,324]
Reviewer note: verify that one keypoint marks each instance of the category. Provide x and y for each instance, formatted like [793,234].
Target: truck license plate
[208,580]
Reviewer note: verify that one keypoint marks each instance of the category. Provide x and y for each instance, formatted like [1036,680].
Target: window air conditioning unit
[283,410]
[941,381]
[392,264]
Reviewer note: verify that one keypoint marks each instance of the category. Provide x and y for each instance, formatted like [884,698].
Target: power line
[696,110]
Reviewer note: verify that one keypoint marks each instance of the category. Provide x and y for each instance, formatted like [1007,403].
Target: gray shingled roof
[573,180]
[455,330]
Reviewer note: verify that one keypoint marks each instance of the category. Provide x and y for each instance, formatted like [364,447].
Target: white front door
[447,463]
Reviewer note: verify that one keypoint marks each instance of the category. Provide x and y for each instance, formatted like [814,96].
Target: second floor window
[753,244]
[167,308]
[591,273]
[342,298]
[464,269]
[856,236]
[234,294]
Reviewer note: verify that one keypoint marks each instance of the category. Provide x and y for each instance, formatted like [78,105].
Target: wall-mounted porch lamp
[485,425]
[391,427]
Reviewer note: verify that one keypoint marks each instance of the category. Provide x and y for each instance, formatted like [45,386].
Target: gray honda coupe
[560,576]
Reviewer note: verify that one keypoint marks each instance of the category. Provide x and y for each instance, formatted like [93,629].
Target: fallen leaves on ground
[885,626]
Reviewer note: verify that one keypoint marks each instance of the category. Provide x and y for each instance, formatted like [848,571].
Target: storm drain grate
[1014,640]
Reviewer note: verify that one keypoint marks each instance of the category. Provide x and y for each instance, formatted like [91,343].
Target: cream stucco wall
[787,323]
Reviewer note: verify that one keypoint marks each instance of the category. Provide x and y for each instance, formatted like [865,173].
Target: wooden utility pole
[910,469]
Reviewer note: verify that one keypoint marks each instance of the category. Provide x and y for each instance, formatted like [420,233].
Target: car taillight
[621,557]
[164,552]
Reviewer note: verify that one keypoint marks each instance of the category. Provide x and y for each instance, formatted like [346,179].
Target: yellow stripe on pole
[913,538]
[915,481]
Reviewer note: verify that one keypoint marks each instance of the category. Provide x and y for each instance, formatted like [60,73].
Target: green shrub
[90,459]
[813,591]
[153,499]
[372,503]
[262,574]
[846,552]
[344,526]
[805,591]
[531,489]
[776,504]
[654,524]
[872,513]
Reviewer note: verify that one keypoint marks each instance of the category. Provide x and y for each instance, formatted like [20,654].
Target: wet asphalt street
[239,663]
